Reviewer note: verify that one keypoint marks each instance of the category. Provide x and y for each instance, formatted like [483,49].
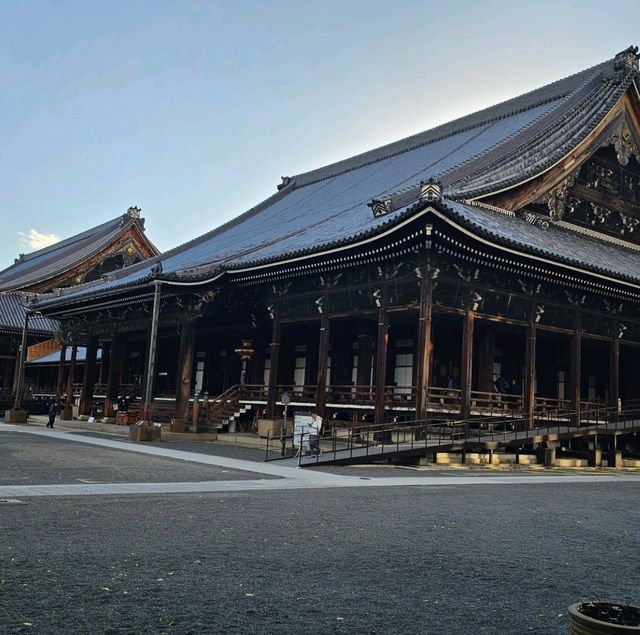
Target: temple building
[490,263]
[88,256]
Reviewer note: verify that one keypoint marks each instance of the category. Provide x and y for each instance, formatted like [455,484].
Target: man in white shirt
[315,428]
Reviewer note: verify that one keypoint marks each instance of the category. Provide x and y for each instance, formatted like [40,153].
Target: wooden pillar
[60,378]
[382,346]
[530,373]
[20,362]
[274,347]
[68,408]
[183,375]
[466,374]
[105,360]
[151,360]
[363,378]
[89,376]
[486,357]
[116,360]
[576,366]
[323,355]
[614,370]
[424,347]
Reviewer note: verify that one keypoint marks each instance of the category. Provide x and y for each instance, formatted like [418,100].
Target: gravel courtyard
[498,557]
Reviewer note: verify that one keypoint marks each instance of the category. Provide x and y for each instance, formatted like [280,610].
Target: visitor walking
[53,411]
[315,429]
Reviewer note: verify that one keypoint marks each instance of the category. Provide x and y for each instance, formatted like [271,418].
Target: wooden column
[68,408]
[486,357]
[116,360]
[614,370]
[382,346]
[530,373]
[105,360]
[22,356]
[151,360]
[576,366]
[363,378]
[424,347]
[274,347]
[89,376]
[60,378]
[323,355]
[183,375]
[466,374]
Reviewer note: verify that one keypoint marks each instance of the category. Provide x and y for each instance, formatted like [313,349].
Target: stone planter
[177,425]
[15,416]
[604,618]
[125,418]
[271,427]
[145,432]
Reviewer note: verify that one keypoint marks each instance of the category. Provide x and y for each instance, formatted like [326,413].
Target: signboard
[301,424]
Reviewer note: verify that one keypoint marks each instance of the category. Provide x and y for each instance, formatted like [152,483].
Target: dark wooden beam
[323,355]
[114,373]
[60,378]
[466,376]
[274,347]
[151,358]
[68,408]
[89,376]
[614,369]
[605,199]
[382,346]
[530,373]
[486,356]
[184,372]
[18,377]
[424,346]
[576,365]
[365,355]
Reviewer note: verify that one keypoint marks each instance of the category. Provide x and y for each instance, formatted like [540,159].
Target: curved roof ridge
[563,88]
[24,258]
[532,127]
[207,235]
[596,105]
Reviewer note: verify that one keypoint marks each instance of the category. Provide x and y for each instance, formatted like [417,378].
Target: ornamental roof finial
[626,59]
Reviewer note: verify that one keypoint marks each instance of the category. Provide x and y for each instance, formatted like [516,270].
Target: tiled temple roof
[12,314]
[311,212]
[554,242]
[47,263]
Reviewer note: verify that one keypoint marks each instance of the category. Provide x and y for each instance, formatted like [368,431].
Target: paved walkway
[287,477]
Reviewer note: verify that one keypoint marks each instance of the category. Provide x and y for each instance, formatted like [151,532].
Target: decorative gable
[603,193]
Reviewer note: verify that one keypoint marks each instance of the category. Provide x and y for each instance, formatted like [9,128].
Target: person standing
[53,411]
[315,429]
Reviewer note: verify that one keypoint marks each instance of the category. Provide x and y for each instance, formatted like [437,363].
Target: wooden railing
[396,398]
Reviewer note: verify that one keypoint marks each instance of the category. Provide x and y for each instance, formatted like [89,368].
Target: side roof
[12,315]
[323,208]
[47,263]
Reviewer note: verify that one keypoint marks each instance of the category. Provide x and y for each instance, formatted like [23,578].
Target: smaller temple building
[85,257]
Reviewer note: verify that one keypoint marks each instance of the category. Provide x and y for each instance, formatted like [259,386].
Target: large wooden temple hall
[489,264]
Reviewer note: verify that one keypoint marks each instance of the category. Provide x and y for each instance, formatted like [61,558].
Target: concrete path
[287,477]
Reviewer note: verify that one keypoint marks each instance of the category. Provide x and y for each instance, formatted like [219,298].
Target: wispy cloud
[36,240]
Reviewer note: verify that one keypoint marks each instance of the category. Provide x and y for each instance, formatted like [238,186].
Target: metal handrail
[423,433]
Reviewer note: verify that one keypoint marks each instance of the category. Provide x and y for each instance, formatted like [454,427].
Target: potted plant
[604,618]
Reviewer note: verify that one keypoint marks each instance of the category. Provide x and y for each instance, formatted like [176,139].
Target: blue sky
[193,110]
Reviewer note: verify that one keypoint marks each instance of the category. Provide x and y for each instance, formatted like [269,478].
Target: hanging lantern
[246,350]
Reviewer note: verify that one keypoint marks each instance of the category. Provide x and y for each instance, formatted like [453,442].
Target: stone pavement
[100,535]
[283,477]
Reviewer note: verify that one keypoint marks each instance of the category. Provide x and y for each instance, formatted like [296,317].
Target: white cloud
[37,240]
